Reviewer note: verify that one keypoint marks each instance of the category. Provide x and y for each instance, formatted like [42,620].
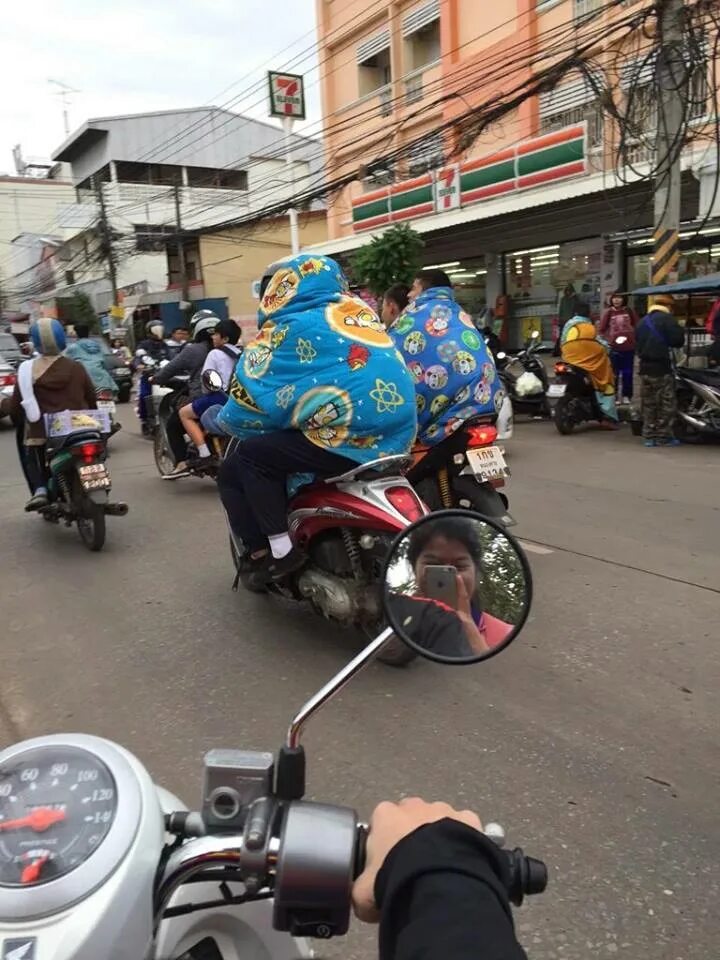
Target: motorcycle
[576,400]
[96,861]
[169,399]
[698,405]
[79,483]
[466,469]
[345,525]
[528,390]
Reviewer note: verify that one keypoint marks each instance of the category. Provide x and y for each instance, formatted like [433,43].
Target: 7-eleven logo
[286,92]
[447,188]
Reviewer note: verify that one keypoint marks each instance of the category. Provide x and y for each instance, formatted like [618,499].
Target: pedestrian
[657,334]
[617,325]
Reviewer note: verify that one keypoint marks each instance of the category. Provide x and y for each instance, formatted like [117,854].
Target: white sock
[280,545]
[203,450]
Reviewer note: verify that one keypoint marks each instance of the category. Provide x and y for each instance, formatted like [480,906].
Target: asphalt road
[593,739]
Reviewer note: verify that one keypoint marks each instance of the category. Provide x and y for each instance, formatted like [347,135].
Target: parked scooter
[525,378]
[345,526]
[99,862]
[698,405]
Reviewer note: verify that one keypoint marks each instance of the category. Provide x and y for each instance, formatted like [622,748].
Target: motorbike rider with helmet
[190,360]
[436,885]
[153,346]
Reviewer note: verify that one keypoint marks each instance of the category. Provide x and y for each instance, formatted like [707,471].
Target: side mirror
[211,381]
[457,588]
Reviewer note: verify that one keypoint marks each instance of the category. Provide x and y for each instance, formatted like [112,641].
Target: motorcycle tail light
[561,368]
[405,502]
[480,436]
[88,452]
[8,380]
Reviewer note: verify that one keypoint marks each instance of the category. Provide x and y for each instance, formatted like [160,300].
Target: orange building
[533,202]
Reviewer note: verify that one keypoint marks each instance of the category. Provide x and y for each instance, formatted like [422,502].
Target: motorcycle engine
[334,597]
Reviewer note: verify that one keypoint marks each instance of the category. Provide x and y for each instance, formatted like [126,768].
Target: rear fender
[482,498]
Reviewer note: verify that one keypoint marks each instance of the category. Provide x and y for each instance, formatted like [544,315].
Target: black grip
[527,876]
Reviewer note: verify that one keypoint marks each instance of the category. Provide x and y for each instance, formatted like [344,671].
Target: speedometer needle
[39,820]
[31,873]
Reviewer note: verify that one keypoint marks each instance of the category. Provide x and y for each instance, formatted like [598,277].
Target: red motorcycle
[345,525]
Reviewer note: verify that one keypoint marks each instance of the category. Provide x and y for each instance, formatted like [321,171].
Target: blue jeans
[622,363]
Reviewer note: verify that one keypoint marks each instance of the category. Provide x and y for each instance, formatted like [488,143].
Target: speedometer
[57,804]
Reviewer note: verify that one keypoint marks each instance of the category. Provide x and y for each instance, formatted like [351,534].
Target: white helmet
[203,320]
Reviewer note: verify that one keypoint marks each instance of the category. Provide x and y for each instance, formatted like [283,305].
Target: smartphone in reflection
[440,583]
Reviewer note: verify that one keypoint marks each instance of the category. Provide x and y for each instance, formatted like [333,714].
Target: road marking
[535,548]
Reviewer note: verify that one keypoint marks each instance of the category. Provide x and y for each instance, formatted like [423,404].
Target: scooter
[525,378]
[99,863]
[344,525]
[698,405]
[576,400]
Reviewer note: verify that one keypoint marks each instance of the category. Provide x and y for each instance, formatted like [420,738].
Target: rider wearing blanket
[453,372]
[320,389]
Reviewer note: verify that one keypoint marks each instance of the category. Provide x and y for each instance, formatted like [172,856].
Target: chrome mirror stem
[334,686]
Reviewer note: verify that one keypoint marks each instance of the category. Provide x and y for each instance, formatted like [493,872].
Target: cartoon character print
[404,323]
[313,266]
[466,319]
[256,359]
[462,396]
[453,424]
[498,400]
[323,414]
[417,371]
[482,392]
[364,443]
[432,431]
[438,404]
[281,289]
[448,350]
[240,395]
[464,363]
[277,337]
[420,403]
[357,357]
[471,339]
[436,377]
[488,372]
[438,322]
[415,343]
[355,320]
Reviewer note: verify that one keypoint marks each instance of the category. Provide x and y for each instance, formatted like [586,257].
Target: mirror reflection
[457,587]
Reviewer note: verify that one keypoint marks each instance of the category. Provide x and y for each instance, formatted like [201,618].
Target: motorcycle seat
[710,378]
[374,469]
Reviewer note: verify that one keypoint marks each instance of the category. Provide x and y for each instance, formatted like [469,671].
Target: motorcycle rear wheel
[681,428]
[90,519]
[563,418]
[161,451]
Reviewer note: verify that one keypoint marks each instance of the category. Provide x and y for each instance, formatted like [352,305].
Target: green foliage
[81,311]
[391,258]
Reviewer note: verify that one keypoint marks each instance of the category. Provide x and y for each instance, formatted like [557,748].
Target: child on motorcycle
[222,359]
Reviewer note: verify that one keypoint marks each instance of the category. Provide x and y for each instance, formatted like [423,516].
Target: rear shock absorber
[353,550]
[444,484]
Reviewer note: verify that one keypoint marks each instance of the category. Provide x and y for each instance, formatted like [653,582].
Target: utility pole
[181,249]
[292,212]
[107,238]
[671,80]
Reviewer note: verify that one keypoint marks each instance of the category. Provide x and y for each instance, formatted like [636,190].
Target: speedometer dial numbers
[57,805]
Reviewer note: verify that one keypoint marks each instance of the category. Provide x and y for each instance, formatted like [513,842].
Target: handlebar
[306,855]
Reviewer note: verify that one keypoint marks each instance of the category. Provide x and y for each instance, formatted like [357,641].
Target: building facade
[541,197]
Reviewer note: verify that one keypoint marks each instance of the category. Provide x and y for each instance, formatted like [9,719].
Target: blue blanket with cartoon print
[322,363]
[454,374]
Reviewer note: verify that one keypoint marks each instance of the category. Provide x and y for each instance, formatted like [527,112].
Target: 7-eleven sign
[447,188]
[287,96]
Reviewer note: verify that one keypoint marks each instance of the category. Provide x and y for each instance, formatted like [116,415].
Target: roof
[6,178]
[707,284]
[95,129]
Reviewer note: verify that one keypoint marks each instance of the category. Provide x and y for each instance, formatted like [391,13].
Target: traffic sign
[287,95]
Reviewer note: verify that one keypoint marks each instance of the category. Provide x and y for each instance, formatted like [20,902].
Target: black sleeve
[431,625]
[442,894]
[674,332]
[184,362]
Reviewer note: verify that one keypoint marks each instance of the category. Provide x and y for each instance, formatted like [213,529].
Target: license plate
[94,476]
[488,463]
[108,405]
[557,389]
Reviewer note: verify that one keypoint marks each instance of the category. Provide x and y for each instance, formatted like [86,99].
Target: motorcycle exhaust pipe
[700,425]
[116,509]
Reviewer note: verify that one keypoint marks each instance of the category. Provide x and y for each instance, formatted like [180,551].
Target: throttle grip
[527,875]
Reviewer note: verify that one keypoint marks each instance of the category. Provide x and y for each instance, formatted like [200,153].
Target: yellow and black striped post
[665,256]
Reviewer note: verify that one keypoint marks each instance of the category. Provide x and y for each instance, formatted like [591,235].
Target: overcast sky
[144,55]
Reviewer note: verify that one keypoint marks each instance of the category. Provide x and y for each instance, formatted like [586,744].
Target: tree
[82,311]
[393,257]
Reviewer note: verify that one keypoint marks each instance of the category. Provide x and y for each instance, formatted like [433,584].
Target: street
[593,739]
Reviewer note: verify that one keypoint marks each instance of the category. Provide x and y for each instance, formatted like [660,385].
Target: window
[421,36]
[151,238]
[590,112]
[373,60]
[427,155]
[698,92]
[69,277]
[221,179]
[159,174]
[585,9]
[574,102]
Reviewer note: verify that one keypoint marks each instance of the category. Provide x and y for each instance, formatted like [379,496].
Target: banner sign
[287,95]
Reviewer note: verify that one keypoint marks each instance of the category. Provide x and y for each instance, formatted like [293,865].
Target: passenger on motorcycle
[89,353]
[320,389]
[222,359]
[394,301]
[190,360]
[48,383]
[454,373]
[154,343]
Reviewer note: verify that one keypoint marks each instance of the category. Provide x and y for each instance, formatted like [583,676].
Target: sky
[136,57]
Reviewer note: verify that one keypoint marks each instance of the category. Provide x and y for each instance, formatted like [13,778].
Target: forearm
[442,893]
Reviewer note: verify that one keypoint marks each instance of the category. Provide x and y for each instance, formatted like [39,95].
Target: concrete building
[535,201]
[151,174]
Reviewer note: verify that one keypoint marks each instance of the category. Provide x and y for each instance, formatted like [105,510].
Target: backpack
[621,325]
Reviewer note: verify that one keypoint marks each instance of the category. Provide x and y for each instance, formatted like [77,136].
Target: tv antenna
[65,92]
